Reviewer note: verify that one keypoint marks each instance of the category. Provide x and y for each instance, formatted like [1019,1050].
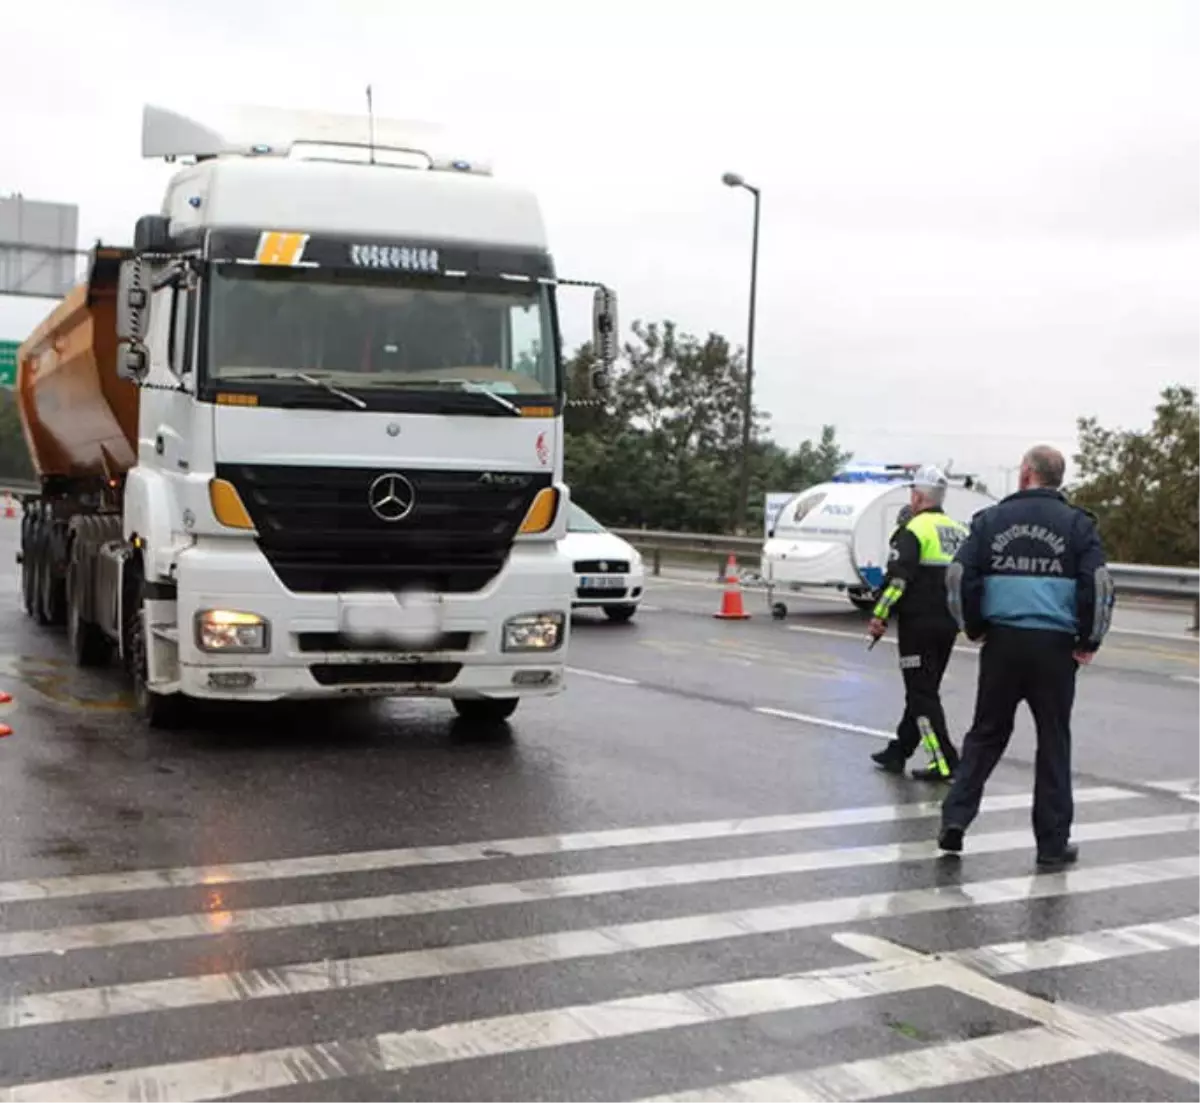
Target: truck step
[168,632]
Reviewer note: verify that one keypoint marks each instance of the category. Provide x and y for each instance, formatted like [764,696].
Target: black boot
[889,760]
[1058,859]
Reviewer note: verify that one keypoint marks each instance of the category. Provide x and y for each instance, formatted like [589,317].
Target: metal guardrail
[1171,583]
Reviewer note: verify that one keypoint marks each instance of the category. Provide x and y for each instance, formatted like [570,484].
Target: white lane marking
[1187,789]
[1106,1033]
[218,1077]
[679,930]
[941,1066]
[861,637]
[1165,1023]
[820,721]
[1186,637]
[600,676]
[96,884]
[1082,949]
[893,970]
[1185,678]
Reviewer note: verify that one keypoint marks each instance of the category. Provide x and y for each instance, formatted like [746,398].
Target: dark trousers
[925,649]
[1039,668]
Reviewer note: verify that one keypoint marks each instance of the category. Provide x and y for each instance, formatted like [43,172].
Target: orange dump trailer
[79,416]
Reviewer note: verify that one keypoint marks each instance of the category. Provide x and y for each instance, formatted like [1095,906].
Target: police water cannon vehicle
[836,535]
[305,438]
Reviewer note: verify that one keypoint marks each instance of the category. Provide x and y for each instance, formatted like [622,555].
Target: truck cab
[347,477]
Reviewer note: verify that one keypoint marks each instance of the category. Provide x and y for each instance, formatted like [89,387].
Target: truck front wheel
[158,710]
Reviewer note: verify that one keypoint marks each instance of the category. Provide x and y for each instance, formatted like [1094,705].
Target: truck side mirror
[604,337]
[133,302]
[604,325]
[133,364]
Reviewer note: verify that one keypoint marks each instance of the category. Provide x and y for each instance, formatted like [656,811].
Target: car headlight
[533,632]
[231,631]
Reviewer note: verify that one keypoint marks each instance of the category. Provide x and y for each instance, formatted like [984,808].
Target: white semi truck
[305,438]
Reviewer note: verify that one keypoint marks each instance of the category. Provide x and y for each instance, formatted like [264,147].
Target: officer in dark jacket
[922,548]
[1031,582]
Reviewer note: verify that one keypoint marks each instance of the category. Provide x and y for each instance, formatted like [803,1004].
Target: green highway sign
[8,362]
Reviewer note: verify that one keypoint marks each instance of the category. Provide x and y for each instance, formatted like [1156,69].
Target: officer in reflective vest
[914,590]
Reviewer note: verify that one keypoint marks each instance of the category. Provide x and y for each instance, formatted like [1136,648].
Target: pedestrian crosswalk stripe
[228,1075]
[1188,789]
[344,974]
[1163,1024]
[90,884]
[894,971]
[495,894]
[937,1066]
[1083,949]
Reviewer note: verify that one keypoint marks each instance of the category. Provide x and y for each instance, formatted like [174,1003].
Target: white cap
[929,478]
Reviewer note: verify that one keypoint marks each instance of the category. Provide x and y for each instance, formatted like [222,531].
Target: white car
[609,573]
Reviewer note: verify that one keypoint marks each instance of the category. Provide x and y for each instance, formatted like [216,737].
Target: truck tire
[89,645]
[162,711]
[50,597]
[28,580]
[486,712]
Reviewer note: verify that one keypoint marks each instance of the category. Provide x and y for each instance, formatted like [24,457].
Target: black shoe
[950,839]
[1057,859]
[932,773]
[887,760]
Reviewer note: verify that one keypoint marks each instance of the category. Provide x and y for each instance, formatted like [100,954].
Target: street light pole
[733,180]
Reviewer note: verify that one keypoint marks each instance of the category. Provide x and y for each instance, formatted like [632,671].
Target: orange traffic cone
[10,507]
[731,599]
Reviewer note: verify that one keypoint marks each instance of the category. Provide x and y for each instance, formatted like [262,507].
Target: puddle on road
[60,682]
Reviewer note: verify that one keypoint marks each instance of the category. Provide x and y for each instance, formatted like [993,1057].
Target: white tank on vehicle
[836,535]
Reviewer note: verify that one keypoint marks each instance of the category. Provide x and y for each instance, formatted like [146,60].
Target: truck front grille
[362,674]
[335,642]
[318,531]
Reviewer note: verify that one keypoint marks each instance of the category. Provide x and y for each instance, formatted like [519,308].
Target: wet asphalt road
[638,893]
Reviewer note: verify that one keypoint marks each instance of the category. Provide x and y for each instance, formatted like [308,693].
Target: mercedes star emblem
[391,497]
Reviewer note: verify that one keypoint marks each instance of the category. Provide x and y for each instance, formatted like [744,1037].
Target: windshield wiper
[316,381]
[499,399]
[312,381]
[465,385]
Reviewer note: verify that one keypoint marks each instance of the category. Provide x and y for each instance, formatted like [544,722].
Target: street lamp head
[732,180]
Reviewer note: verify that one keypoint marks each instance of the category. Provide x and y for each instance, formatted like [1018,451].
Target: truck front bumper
[320,645]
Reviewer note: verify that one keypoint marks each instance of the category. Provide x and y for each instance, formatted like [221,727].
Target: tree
[1144,487]
[661,449]
[14,456]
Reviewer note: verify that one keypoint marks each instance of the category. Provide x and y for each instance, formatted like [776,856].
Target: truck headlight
[533,632]
[231,631]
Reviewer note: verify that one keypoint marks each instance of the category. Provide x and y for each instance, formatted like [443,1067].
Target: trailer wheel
[49,604]
[779,610]
[89,645]
[163,711]
[29,579]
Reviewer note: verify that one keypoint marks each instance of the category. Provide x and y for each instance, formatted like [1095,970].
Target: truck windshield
[363,330]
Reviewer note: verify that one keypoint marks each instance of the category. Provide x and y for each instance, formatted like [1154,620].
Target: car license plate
[602,582]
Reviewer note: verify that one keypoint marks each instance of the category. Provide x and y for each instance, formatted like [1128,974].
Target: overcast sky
[980,219]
